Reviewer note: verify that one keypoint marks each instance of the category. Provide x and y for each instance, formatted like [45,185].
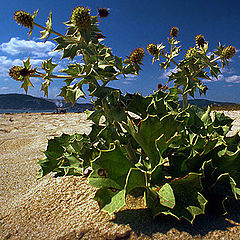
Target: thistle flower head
[228,52]
[200,41]
[81,18]
[18,72]
[174,31]
[24,18]
[152,49]
[103,12]
[137,55]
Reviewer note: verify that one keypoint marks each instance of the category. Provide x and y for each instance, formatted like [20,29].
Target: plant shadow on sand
[141,222]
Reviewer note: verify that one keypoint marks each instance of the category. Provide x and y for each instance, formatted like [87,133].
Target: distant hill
[27,102]
[204,103]
[22,101]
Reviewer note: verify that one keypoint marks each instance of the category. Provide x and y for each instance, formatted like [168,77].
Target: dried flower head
[18,72]
[103,12]
[137,55]
[152,49]
[228,52]
[24,18]
[160,86]
[200,41]
[81,18]
[174,31]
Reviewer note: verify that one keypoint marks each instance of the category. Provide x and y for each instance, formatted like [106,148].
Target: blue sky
[131,24]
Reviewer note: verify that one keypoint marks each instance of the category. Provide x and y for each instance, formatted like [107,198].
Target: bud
[137,55]
[24,18]
[160,86]
[199,39]
[228,52]
[81,18]
[103,12]
[152,49]
[174,31]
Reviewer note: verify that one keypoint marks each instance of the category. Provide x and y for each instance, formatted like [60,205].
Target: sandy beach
[63,208]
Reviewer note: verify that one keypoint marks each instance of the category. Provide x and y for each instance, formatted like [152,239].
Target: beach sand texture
[62,208]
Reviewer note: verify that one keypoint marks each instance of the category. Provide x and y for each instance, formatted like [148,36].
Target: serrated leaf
[46,33]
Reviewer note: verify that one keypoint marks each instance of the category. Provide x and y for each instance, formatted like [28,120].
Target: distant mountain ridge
[28,102]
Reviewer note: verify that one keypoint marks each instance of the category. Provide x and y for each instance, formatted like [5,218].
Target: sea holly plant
[181,159]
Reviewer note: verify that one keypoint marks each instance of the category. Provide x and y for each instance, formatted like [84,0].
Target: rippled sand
[63,208]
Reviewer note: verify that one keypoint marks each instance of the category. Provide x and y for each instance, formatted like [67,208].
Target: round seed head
[152,49]
[15,72]
[24,18]
[199,39]
[18,72]
[103,12]
[81,18]
[228,52]
[174,31]
[137,55]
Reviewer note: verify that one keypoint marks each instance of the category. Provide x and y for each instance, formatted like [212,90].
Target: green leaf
[149,130]
[71,93]
[135,179]
[166,196]
[110,200]
[46,33]
[110,169]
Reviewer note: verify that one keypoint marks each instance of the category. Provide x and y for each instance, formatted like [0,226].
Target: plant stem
[52,31]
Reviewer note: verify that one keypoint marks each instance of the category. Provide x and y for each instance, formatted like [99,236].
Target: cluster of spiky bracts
[191,52]
[18,72]
[200,41]
[228,52]
[81,18]
[24,18]
[137,55]
[152,49]
[174,31]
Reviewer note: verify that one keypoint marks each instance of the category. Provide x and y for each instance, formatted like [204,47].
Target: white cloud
[167,73]
[233,79]
[129,79]
[17,46]
[4,88]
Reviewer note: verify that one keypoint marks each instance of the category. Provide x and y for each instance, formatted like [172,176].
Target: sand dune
[62,208]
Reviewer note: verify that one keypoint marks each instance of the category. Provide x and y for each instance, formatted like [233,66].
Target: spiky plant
[81,18]
[23,18]
[200,41]
[137,55]
[228,52]
[174,31]
[152,49]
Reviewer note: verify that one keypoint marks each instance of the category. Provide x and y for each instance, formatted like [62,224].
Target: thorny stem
[52,31]
[52,76]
